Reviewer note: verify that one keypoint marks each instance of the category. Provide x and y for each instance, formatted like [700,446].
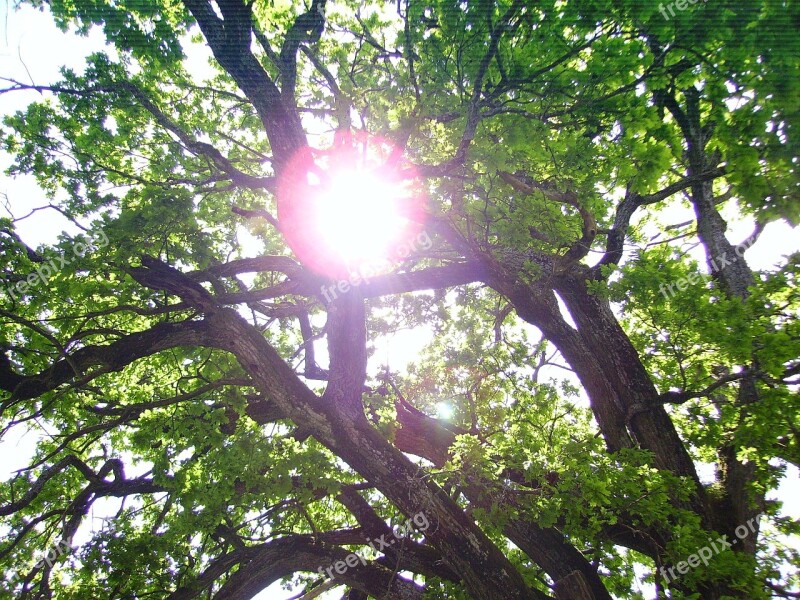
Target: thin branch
[199,148]
[681,397]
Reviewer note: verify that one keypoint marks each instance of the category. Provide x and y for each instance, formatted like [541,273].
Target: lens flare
[349,207]
[359,215]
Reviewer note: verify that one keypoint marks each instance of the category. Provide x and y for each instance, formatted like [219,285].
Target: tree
[551,141]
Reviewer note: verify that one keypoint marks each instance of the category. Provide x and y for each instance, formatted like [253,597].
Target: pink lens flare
[349,207]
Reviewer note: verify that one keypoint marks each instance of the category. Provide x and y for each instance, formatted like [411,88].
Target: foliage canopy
[243,425]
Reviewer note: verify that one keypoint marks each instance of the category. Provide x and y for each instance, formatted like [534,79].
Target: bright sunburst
[349,208]
[359,215]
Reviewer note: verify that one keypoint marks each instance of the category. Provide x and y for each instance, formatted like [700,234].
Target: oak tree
[228,398]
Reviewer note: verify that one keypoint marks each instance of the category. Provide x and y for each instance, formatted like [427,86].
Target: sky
[29,41]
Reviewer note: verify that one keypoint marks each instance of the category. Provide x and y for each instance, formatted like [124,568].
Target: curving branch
[580,248]
[256,214]
[261,565]
[49,473]
[229,38]
[684,396]
[100,359]
[633,201]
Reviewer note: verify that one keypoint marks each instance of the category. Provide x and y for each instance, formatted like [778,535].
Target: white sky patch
[400,348]
[562,307]
[27,60]
[444,410]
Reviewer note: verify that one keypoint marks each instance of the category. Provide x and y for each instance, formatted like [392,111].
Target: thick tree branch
[486,572]
[259,566]
[632,201]
[258,264]
[107,358]
[425,279]
[229,39]
[347,348]
[307,28]
[413,556]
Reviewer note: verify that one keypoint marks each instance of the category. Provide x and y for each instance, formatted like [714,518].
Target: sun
[360,215]
[350,208]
